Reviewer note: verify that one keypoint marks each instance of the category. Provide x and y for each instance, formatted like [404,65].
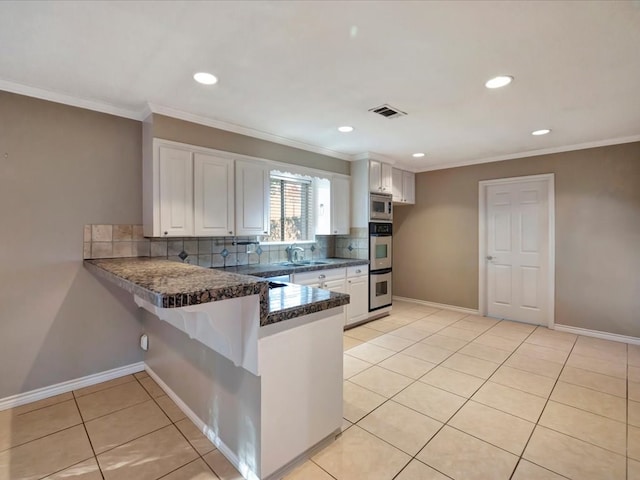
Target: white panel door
[175,169]
[386,178]
[375,176]
[517,251]
[213,196]
[340,211]
[252,198]
[396,185]
[358,307]
[408,187]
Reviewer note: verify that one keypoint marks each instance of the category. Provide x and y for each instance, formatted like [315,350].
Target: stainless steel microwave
[380,208]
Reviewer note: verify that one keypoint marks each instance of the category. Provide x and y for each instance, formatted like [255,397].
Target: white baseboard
[204,428]
[64,387]
[469,311]
[597,334]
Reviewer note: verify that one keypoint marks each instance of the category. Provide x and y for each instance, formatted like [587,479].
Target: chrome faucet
[294,253]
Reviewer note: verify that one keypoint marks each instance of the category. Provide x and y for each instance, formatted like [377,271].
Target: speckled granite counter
[168,284]
[276,269]
[296,300]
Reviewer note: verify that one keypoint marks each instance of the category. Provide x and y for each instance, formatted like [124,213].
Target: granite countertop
[277,269]
[169,284]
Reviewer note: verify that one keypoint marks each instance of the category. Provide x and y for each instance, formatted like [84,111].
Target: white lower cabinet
[320,278]
[335,286]
[352,280]
[358,290]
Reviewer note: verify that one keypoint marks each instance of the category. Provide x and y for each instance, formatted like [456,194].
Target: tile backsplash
[112,241]
[354,245]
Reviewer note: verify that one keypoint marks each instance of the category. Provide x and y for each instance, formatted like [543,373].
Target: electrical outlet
[144,342]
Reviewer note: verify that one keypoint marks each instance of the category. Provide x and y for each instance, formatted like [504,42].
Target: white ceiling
[295,71]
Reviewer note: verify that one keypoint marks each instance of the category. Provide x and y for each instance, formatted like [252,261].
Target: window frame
[309,206]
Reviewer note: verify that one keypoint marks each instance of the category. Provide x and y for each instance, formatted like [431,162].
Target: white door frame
[482,240]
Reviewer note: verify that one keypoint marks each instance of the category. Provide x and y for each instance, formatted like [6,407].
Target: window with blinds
[291,209]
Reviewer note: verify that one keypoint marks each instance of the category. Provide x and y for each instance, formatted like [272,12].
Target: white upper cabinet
[380,177]
[332,212]
[397,185]
[214,198]
[340,207]
[174,192]
[409,187]
[404,187]
[252,198]
[189,191]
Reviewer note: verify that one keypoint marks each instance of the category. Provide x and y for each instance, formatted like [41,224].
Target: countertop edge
[275,270]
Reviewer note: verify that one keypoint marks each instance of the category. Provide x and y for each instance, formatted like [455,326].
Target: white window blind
[291,207]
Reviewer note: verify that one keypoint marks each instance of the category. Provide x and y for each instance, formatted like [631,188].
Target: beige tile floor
[433,394]
[428,394]
[127,428]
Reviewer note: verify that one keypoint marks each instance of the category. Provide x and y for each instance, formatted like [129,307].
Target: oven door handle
[379,272]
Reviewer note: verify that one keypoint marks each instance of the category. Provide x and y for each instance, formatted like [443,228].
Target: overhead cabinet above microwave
[187,191]
[380,177]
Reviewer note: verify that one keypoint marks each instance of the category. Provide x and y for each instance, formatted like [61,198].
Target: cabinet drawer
[357,271]
[319,275]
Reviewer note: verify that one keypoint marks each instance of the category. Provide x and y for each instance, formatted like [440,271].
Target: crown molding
[373,156]
[533,153]
[250,132]
[69,100]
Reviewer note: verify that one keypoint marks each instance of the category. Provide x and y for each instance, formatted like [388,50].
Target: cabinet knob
[358,271]
[230,232]
[166,233]
[322,276]
[335,231]
[266,233]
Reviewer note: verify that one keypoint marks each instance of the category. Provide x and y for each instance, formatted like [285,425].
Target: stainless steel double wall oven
[380,255]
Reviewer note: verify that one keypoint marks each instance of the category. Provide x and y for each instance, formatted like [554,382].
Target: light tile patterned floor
[428,395]
[126,428]
[433,394]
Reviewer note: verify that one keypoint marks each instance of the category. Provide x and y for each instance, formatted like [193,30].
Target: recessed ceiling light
[543,131]
[418,155]
[345,129]
[205,78]
[499,81]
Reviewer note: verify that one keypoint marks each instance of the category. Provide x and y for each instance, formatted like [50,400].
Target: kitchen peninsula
[259,370]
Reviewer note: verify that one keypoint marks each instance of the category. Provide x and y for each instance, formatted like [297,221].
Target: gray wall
[181,131]
[65,167]
[597,235]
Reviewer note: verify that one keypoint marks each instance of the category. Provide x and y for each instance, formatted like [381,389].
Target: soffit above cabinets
[292,72]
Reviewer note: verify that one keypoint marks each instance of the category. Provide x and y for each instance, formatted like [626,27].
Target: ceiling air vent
[388,111]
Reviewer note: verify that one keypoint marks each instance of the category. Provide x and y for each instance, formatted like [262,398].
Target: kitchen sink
[303,263]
